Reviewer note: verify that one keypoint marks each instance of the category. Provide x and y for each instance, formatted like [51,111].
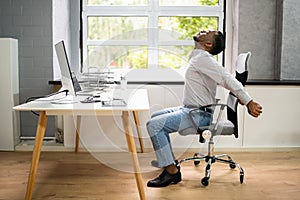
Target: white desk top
[136,99]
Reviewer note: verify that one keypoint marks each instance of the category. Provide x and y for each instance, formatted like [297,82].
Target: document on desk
[114,102]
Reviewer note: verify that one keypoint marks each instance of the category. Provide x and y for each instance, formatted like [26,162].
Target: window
[144,34]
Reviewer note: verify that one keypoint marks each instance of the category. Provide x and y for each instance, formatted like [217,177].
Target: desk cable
[44,96]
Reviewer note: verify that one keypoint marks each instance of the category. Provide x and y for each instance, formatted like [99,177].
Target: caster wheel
[241,178]
[232,166]
[196,163]
[204,181]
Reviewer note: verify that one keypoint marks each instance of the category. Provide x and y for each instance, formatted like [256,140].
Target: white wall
[277,126]
[61,30]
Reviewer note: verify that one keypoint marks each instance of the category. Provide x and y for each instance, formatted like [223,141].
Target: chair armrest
[202,111]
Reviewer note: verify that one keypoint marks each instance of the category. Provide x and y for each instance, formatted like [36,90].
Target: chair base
[210,159]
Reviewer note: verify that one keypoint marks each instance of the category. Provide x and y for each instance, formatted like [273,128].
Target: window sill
[272,82]
[249,82]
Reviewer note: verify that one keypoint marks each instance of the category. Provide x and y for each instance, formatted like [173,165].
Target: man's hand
[254,109]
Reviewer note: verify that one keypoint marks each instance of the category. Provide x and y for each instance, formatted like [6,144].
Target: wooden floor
[67,175]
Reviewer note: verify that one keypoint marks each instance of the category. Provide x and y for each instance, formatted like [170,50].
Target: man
[201,79]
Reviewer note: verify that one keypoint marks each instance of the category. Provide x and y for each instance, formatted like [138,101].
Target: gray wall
[30,21]
[290,54]
[270,30]
[257,34]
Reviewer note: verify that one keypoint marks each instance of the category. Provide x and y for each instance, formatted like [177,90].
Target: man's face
[205,36]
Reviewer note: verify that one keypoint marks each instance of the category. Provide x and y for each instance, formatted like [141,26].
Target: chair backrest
[242,76]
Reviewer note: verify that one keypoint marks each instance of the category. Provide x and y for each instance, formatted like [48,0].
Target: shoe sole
[164,185]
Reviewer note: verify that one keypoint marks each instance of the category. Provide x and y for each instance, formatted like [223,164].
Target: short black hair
[219,44]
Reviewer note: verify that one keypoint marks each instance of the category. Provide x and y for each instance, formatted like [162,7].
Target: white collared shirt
[202,77]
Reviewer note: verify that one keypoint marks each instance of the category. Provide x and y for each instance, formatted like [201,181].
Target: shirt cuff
[245,98]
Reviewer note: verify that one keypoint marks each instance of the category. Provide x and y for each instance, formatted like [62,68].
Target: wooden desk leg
[78,122]
[132,151]
[138,128]
[40,132]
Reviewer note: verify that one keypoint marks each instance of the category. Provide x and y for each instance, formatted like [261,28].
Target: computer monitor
[68,79]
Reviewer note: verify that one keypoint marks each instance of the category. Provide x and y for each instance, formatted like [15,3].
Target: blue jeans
[167,121]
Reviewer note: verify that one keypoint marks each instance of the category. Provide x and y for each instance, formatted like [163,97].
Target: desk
[137,100]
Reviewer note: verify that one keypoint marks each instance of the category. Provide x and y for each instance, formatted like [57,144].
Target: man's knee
[148,125]
[152,126]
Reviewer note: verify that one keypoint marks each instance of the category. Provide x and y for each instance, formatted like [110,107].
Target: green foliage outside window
[187,27]
[135,28]
[162,2]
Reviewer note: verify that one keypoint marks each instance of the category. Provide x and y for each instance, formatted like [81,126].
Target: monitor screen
[67,79]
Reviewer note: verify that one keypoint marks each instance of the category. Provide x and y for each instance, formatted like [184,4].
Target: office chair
[220,126]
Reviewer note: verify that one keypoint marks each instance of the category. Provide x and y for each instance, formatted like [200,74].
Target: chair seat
[226,127]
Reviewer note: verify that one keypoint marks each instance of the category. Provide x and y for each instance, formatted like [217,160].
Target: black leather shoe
[165,179]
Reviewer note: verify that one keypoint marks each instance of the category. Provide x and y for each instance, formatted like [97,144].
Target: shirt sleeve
[218,73]
[232,84]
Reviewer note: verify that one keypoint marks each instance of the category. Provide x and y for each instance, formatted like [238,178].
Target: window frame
[153,11]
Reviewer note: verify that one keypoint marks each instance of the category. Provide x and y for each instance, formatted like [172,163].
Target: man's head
[211,41]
